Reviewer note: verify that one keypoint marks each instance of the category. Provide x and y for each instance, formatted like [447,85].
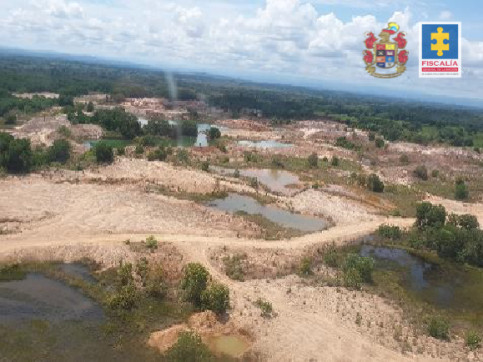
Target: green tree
[18,156]
[90,107]
[374,183]
[104,153]
[430,216]
[194,282]
[379,143]
[216,298]
[214,133]
[59,151]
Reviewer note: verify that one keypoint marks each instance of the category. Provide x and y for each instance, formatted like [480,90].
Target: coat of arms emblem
[384,55]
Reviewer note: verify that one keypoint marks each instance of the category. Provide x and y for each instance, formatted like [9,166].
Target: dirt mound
[165,339]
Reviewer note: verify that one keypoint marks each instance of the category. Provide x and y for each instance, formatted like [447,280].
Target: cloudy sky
[316,42]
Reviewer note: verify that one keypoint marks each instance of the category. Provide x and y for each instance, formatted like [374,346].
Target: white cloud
[282,36]
[445,15]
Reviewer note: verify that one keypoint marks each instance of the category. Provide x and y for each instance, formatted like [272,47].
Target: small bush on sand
[151,243]
[438,327]
[473,340]
[265,307]
[305,268]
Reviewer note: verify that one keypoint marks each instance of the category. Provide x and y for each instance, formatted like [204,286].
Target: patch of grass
[234,267]
[11,272]
[192,196]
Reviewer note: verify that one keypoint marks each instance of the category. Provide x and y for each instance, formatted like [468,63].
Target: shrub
[64,131]
[313,160]
[357,269]
[374,183]
[216,298]
[372,136]
[189,128]
[473,340]
[466,221]
[404,159]
[277,161]
[390,232]
[335,161]
[183,156]
[265,307]
[254,182]
[155,283]
[11,118]
[121,151]
[438,328]
[15,155]
[194,282]
[104,153]
[158,155]
[124,298]
[461,190]
[379,143]
[305,268]
[142,270]
[429,215]
[330,257]
[90,107]
[214,133]
[151,243]
[345,143]
[205,166]
[139,149]
[233,266]
[236,173]
[59,151]
[124,274]
[421,172]
[435,173]
[189,348]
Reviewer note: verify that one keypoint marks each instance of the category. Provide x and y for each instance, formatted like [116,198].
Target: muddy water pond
[231,346]
[234,203]
[448,286]
[38,297]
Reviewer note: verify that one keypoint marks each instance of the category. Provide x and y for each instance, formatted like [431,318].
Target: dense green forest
[394,119]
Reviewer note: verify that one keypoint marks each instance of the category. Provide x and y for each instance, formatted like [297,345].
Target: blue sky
[316,42]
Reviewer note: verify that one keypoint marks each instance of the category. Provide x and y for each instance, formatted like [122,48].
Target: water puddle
[234,203]
[231,346]
[451,286]
[275,180]
[264,144]
[40,298]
